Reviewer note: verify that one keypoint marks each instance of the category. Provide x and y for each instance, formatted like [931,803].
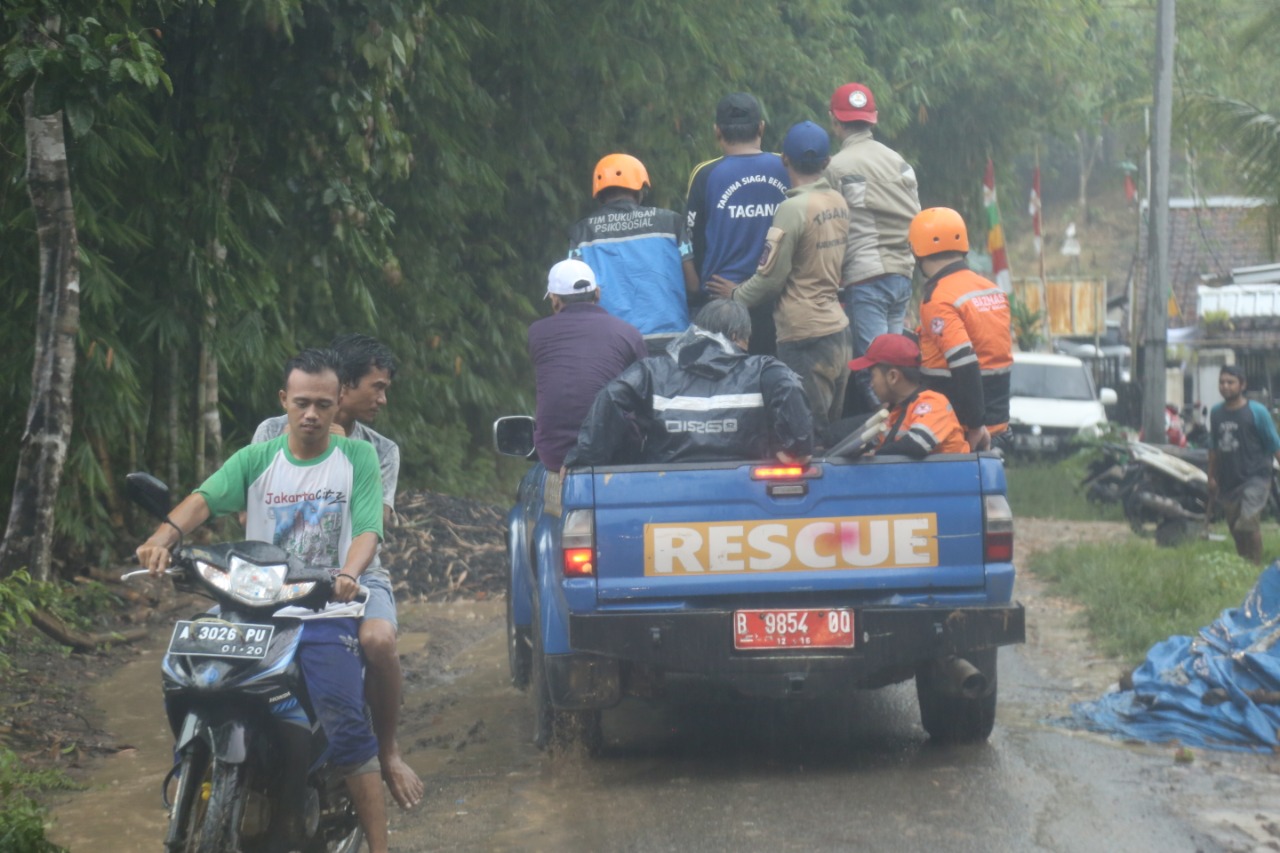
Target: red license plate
[793,629]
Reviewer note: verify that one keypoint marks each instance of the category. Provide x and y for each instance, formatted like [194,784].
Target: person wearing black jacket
[705,400]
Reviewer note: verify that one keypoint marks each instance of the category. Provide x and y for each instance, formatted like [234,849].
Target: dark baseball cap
[739,108]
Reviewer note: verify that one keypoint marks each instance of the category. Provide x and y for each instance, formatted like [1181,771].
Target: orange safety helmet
[935,230]
[619,170]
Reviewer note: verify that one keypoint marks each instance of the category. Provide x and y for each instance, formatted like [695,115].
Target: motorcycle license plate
[791,629]
[209,638]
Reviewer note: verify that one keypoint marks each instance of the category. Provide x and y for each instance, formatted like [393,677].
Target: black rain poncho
[704,400]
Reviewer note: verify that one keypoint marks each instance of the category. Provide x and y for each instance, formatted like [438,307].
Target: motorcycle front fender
[227,739]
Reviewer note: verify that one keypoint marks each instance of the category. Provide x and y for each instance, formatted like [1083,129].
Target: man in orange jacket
[965,340]
[921,421]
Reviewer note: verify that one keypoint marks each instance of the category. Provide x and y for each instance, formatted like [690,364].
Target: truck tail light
[577,541]
[997,530]
[778,472]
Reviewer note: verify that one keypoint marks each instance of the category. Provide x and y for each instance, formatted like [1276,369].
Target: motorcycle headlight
[215,575]
[254,584]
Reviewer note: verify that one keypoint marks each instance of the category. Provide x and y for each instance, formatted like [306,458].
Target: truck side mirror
[149,493]
[1107,396]
[513,436]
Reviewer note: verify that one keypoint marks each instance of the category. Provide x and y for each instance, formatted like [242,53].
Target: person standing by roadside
[366,368]
[965,338]
[1242,443]
[731,203]
[880,188]
[639,253]
[575,352]
[800,268]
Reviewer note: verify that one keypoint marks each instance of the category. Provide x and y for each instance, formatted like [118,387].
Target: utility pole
[1155,317]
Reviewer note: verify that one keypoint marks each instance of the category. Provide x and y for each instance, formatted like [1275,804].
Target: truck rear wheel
[519,652]
[950,718]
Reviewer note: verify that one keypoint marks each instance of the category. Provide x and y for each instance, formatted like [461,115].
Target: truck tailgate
[873,528]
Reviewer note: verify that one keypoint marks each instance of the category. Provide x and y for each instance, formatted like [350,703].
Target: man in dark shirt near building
[575,352]
[1242,443]
[731,203]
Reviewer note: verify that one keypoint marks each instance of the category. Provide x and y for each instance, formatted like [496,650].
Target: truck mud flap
[701,642]
[579,682]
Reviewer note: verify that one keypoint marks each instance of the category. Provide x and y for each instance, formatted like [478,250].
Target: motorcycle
[251,772]
[1165,486]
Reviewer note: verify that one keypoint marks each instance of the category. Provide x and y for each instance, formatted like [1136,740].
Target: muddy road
[700,774]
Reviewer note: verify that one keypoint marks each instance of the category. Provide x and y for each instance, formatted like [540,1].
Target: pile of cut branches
[446,548]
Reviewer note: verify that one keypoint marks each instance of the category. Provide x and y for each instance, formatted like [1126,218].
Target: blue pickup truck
[770,579]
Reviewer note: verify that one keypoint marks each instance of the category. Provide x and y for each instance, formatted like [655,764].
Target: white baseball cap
[569,277]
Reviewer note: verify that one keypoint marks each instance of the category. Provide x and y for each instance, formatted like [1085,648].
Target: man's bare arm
[359,555]
[153,555]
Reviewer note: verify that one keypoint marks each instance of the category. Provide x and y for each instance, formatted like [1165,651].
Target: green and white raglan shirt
[312,508]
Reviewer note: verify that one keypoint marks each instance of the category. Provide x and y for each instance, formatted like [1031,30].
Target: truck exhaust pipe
[957,677]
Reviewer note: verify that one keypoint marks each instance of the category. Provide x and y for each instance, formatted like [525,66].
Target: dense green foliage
[259,175]
[16,604]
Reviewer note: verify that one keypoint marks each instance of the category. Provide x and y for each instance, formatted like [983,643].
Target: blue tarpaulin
[1215,690]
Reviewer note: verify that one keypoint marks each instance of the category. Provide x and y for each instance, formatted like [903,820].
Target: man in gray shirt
[367,368]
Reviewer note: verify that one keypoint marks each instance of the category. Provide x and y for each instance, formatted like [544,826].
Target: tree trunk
[28,538]
[202,373]
[1086,156]
[211,422]
[171,418]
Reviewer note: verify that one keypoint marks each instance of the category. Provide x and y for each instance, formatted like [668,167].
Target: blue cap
[806,145]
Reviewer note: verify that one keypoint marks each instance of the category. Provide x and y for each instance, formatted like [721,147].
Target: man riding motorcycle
[319,497]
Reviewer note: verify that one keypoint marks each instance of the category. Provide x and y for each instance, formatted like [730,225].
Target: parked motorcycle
[250,770]
[1165,486]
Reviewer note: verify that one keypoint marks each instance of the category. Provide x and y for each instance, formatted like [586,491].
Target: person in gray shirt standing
[880,188]
[366,370]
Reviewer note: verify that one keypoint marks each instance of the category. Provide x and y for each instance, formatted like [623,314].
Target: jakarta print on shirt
[311,508]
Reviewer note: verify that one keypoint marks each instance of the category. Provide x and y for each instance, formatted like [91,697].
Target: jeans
[874,308]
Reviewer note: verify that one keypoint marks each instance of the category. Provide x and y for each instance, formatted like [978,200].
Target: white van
[1053,400]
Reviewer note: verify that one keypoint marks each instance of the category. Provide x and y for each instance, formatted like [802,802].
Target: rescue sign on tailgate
[792,545]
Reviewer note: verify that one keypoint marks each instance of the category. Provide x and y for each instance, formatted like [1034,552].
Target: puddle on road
[123,802]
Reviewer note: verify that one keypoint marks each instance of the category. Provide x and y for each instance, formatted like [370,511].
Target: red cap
[893,350]
[853,102]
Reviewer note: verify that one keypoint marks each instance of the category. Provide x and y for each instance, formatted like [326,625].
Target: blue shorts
[329,655]
[382,602]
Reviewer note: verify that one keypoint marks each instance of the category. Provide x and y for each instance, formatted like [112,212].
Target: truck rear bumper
[888,641]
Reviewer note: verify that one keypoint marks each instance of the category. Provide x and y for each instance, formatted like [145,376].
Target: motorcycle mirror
[149,493]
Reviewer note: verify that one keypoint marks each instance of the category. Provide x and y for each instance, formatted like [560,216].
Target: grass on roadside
[1044,489]
[22,819]
[1136,594]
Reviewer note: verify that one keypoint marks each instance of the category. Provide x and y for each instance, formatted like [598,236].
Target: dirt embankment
[1059,644]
